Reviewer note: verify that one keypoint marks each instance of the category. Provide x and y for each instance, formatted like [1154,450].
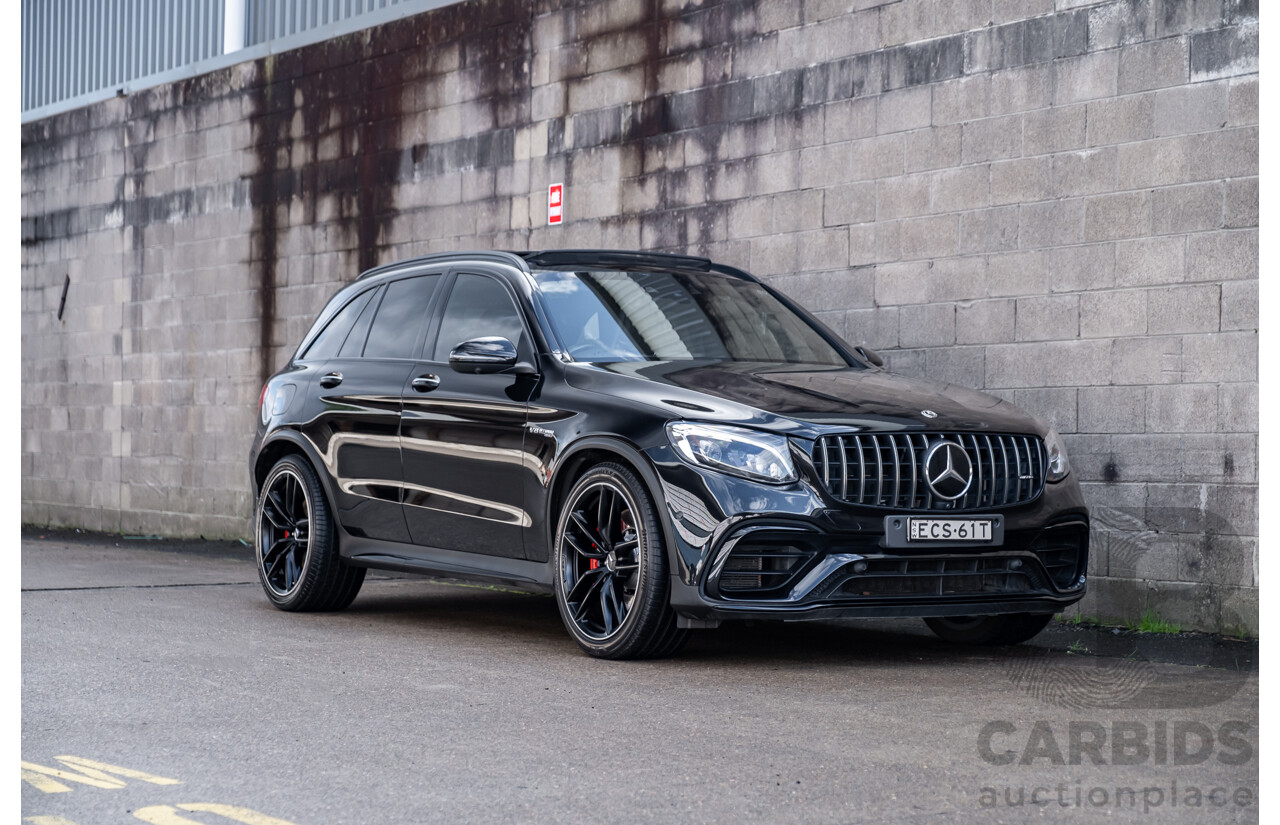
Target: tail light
[262,396]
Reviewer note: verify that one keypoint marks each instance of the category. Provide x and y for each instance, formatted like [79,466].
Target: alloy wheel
[284,532]
[600,559]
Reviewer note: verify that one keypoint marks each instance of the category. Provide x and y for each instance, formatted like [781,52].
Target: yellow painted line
[101,769]
[166,815]
[101,781]
[243,815]
[48,820]
[44,783]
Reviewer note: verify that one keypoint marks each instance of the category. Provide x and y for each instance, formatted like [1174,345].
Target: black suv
[662,442]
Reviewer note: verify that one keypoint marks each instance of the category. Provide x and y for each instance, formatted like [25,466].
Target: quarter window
[330,340]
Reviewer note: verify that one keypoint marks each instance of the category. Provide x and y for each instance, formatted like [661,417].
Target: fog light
[860,567]
[1016,564]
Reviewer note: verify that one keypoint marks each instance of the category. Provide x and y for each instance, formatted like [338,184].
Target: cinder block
[1147,360]
[822,249]
[992,138]
[1224,356]
[1242,101]
[927,325]
[904,109]
[1017,273]
[1123,215]
[1183,309]
[962,99]
[985,322]
[850,119]
[1022,89]
[1149,261]
[1020,181]
[989,230]
[1241,208]
[1048,364]
[904,196]
[862,244]
[1153,163]
[1201,107]
[875,327]
[930,237]
[1085,172]
[1190,208]
[963,366]
[1048,318]
[1077,268]
[1240,305]
[934,148]
[958,279]
[1053,223]
[1121,120]
[1088,77]
[1238,408]
[901,283]
[1228,153]
[1182,408]
[1111,409]
[1220,256]
[849,204]
[1113,314]
[1154,65]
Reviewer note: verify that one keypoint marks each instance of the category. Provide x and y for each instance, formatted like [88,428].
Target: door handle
[425,383]
[331,380]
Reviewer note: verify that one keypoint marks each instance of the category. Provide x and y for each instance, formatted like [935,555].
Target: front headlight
[733,450]
[1058,464]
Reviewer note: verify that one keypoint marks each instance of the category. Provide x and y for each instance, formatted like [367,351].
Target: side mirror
[870,355]
[483,355]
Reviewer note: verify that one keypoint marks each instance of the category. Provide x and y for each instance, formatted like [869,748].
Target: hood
[780,396]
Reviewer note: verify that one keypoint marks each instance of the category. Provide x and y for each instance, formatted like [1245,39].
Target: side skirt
[433,561]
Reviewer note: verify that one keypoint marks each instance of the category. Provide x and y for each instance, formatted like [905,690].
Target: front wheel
[611,572]
[296,543]
[1007,629]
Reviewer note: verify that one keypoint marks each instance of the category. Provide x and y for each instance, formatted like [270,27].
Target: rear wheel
[611,572]
[1007,629]
[296,543]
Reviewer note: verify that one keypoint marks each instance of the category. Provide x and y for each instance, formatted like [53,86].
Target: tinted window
[400,318]
[674,316]
[479,307]
[329,341]
[360,330]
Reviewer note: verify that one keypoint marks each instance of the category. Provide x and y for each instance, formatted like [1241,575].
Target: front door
[462,435]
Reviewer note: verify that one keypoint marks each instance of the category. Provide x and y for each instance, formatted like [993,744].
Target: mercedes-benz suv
[662,442]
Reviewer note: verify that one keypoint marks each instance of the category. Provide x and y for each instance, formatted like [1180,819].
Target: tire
[1008,629]
[611,569]
[295,542]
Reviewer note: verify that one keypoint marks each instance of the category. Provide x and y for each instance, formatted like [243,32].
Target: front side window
[608,316]
[479,307]
[399,321]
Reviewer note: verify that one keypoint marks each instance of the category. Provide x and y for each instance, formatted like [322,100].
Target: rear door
[463,434]
[360,388]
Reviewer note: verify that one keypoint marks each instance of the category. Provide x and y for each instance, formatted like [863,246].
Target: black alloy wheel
[298,561]
[611,569]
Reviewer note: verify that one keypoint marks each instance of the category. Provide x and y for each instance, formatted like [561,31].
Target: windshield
[607,316]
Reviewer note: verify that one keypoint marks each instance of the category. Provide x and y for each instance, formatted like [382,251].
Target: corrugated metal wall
[76,47]
[73,47]
[272,19]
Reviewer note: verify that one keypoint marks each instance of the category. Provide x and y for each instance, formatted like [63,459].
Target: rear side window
[355,341]
[399,320]
[479,307]
[330,340]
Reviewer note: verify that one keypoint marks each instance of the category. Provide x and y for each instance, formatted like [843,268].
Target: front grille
[942,577]
[887,469]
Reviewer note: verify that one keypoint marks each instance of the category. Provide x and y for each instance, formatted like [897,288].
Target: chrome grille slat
[896,481]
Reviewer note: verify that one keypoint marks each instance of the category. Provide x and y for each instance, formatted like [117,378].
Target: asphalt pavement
[158,685]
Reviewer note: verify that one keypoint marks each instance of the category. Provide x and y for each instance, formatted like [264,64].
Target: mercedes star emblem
[929,413]
[948,470]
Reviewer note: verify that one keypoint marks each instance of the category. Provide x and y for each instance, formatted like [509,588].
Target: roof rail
[613,257]
[508,258]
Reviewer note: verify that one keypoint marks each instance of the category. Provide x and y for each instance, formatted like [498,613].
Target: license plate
[949,529]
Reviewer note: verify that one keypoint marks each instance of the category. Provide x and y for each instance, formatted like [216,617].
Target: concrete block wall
[1052,200]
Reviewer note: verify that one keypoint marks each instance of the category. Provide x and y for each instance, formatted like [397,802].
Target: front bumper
[747,550]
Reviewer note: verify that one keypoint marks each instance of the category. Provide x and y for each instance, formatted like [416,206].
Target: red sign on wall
[555,203]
